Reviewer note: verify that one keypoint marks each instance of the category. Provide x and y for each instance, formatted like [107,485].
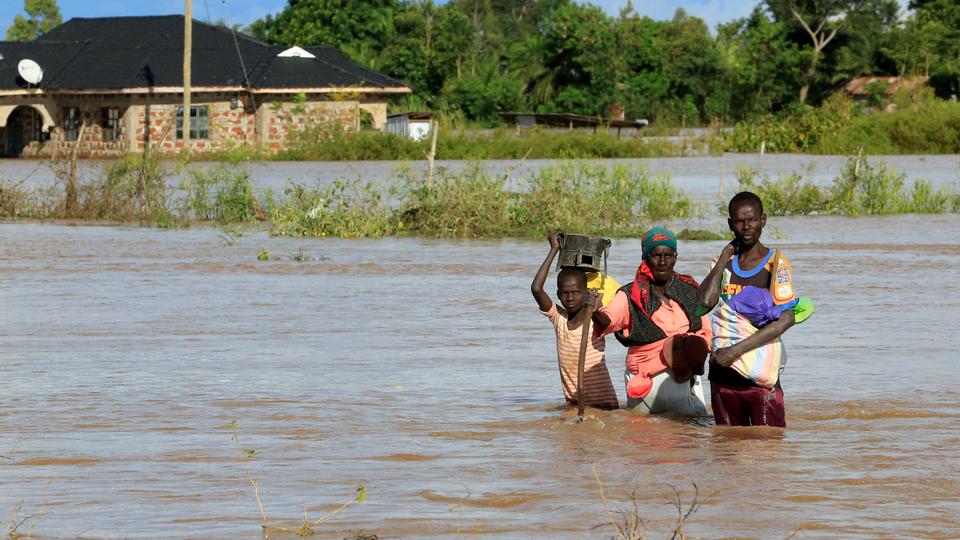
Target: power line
[236,44]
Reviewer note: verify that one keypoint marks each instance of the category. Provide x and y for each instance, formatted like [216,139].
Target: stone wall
[279,119]
[233,120]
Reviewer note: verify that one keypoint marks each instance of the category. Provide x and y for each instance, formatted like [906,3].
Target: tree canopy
[42,15]
[476,58]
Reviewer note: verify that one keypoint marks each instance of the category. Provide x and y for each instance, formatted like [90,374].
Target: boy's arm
[709,292]
[542,298]
[600,320]
[613,316]
[726,355]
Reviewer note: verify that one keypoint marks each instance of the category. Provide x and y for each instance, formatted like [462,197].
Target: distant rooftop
[118,53]
[861,86]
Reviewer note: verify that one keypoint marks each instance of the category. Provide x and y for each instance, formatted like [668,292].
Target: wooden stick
[584,338]
[434,127]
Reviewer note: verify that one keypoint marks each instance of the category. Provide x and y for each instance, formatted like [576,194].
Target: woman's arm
[542,298]
[726,355]
[612,317]
[709,292]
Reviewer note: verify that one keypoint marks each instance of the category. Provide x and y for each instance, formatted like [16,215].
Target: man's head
[660,252]
[571,288]
[747,219]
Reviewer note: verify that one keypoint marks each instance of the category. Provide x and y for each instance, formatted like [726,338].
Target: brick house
[113,85]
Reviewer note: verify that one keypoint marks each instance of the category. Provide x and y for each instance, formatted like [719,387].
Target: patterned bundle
[761,365]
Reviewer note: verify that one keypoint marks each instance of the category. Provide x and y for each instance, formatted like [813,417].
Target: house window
[71,123]
[110,123]
[199,122]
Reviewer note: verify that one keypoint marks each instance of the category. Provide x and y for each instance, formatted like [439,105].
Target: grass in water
[306,526]
[588,198]
[321,142]
[859,189]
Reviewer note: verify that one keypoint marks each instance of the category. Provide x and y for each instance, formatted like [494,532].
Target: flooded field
[421,370]
[698,176]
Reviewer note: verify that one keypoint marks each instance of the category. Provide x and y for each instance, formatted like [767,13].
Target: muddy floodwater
[421,370]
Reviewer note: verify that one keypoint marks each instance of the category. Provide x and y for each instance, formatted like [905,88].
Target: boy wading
[568,322]
[749,396]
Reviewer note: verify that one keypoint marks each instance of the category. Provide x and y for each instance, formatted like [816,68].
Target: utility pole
[187,59]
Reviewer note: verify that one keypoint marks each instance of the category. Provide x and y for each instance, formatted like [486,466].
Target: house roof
[861,86]
[123,53]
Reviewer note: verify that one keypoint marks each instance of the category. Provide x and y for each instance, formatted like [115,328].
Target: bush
[223,194]
[592,199]
[344,209]
[859,189]
[134,187]
[469,204]
[920,124]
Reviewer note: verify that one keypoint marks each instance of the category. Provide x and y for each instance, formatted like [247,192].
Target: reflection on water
[421,370]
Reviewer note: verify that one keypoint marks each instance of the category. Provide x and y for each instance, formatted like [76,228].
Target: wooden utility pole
[187,59]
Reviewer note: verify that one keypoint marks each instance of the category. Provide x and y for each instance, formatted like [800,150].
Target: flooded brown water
[422,370]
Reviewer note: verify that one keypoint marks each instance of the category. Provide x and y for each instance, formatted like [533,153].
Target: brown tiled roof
[860,86]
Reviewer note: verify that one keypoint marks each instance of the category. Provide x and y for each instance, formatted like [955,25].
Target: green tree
[864,42]
[820,21]
[579,47]
[765,68]
[355,23]
[42,16]
[936,27]
[430,46]
[693,66]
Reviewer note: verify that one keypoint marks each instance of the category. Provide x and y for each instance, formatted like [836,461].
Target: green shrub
[223,194]
[788,195]
[920,124]
[344,209]
[859,189]
[590,198]
[468,204]
[133,187]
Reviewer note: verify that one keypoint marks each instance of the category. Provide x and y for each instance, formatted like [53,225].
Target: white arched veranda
[41,108]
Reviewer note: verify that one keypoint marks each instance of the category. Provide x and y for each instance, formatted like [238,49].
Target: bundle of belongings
[684,354]
[741,315]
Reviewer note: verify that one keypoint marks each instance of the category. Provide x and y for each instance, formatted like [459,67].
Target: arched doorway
[24,125]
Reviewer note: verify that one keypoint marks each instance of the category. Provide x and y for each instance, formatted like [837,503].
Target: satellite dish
[30,71]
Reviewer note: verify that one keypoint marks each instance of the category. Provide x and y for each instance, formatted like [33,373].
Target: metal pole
[187,59]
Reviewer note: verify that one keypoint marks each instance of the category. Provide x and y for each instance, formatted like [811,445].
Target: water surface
[422,370]
[702,177]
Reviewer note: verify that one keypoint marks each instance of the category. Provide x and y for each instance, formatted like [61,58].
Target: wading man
[746,267]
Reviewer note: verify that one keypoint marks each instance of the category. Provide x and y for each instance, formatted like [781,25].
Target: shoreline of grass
[322,143]
[583,197]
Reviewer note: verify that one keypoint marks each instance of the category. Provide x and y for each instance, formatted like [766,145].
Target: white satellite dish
[30,71]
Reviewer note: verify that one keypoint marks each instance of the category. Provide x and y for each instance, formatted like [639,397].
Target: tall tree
[42,16]
[358,23]
[863,44]
[820,20]
[765,67]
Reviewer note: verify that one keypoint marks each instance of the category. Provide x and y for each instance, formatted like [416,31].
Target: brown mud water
[124,349]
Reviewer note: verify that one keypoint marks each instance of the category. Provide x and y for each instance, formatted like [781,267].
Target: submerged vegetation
[859,189]
[320,143]
[471,203]
[441,203]
[475,204]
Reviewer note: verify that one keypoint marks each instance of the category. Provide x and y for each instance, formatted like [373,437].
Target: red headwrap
[640,291]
